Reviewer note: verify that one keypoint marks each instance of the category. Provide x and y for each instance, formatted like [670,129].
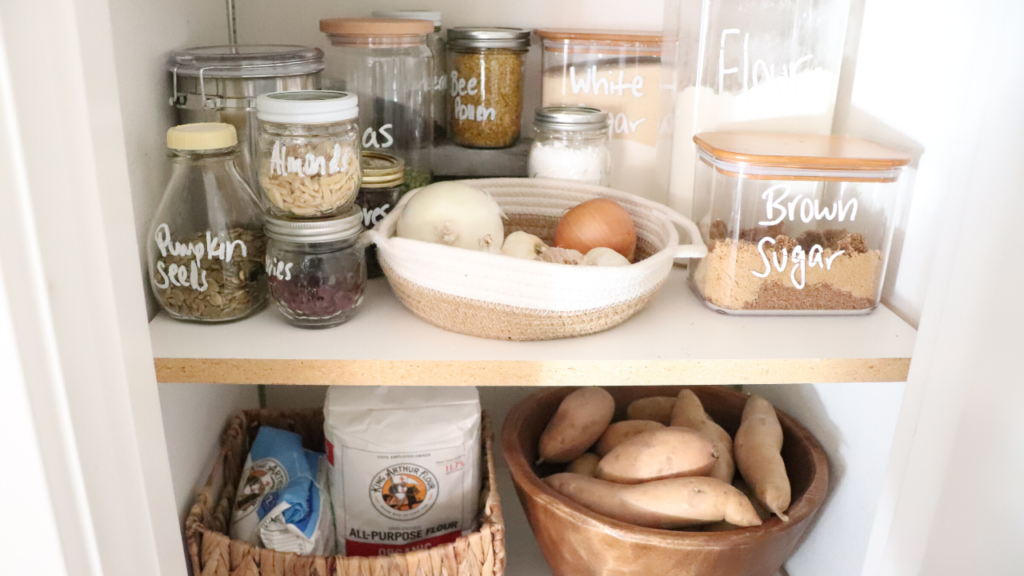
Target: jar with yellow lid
[383,186]
[206,244]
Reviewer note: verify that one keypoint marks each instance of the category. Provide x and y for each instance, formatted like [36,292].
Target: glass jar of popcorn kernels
[308,156]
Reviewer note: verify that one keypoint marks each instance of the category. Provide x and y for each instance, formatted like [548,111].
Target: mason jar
[221,84]
[206,244]
[386,63]
[308,156]
[316,268]
[571,143]
[383,186]
[485,85]
[436,43]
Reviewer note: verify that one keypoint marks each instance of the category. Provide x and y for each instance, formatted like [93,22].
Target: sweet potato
[742,486]
[757,448]
[671,503]
[621,431]
[585,465]
[689,413]
[658,454]
[657,408]
[580,420]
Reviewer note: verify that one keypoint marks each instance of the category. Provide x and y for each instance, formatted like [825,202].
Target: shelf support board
[529,372]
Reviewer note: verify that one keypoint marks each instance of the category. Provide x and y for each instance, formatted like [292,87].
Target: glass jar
[750,65]
[308,156]
[316,268]
[436,43]
[794,224]
[485,85]
[571,144]
[386,63]
[619,72]
[221,83]
[206,244]
[383,186]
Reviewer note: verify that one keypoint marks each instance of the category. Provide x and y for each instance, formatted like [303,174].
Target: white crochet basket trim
[532,284]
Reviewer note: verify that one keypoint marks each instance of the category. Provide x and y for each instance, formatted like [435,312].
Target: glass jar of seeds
[383,186]
[317,268]
[206,245]
[485,85]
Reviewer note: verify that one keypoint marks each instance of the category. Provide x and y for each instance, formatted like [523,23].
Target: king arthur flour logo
[267,475]
[403,491]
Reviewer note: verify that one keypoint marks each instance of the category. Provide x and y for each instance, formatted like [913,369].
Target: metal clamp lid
[481,37]
[571,118]
[347,225]
[240,61]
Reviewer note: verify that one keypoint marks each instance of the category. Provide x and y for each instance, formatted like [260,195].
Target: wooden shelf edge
[528,373]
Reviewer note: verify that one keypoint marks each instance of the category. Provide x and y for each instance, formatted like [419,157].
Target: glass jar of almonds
[308,156]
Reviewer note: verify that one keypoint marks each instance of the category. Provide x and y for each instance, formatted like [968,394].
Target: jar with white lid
[794,223]
[316,268]
[221,84]
[571,143]
[386,63]
[485,85]
[436,43]
[206,244]
[308,157]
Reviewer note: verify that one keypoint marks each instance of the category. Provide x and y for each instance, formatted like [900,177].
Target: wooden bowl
[578,542]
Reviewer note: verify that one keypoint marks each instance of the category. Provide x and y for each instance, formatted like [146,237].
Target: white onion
[604,257]
[522,245]
[454,214]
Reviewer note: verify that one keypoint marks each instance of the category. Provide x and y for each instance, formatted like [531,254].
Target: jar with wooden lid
[485,85]
[436,43]
[794,224]
[386,63]
[383,187]
[618,72]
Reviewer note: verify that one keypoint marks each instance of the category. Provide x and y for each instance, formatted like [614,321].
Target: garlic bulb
[522,245]
[604,257]
[562,256]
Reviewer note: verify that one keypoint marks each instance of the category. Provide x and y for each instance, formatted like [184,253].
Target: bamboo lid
[631,37]
[799,151]
[369,27]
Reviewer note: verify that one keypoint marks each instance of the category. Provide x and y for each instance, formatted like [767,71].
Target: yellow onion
[598,223]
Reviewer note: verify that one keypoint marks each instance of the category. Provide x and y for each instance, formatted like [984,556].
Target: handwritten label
[761,72]
[807,210]
[469,87]
[372,216]
[193,276]
[309,165]
[279,269]
[370,137]
[593,83]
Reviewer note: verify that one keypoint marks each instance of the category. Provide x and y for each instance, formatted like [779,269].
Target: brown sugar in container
[794,224]
[485,85]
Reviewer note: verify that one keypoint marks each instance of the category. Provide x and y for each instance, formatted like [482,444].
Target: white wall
[855,424]
[144,34]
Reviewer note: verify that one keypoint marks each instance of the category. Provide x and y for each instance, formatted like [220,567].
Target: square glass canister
[794,224]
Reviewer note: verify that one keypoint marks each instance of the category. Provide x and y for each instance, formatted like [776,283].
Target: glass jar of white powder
[571,143]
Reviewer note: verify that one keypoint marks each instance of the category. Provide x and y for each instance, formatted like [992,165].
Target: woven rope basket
[495,296]
[481,553]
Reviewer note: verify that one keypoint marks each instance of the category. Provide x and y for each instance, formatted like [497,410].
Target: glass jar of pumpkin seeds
[206,245]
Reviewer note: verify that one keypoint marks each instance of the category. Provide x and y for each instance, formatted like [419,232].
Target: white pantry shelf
[675,340]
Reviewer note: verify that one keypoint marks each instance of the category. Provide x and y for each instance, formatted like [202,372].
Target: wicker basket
[215,554]
[494,296]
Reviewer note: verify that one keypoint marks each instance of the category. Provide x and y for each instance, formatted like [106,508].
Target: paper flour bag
[282,501]
[405,466]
